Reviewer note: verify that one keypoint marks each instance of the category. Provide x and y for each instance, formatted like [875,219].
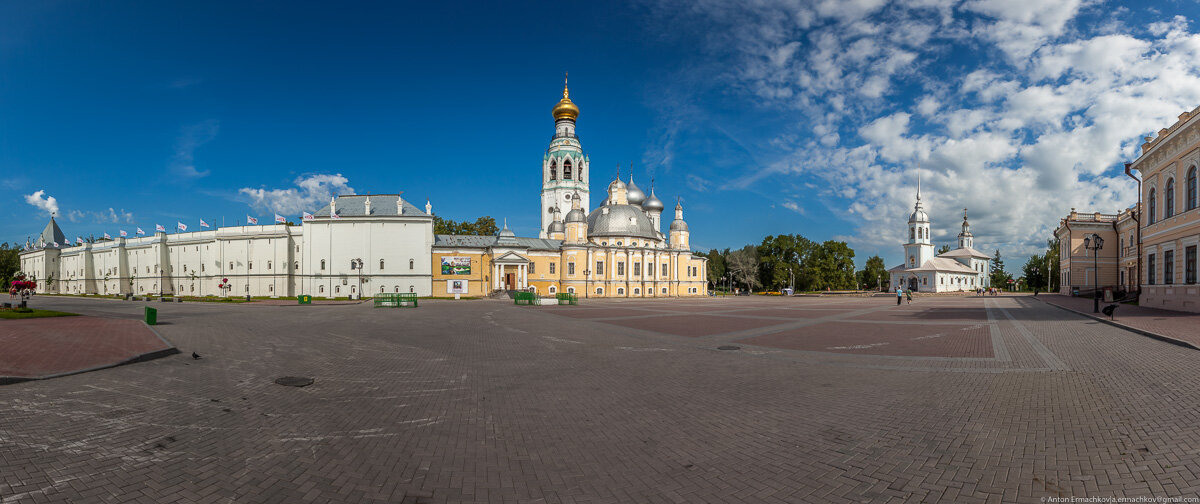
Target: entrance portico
[510,272]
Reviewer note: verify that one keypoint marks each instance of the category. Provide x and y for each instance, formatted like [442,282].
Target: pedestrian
[908,293]
[899,295]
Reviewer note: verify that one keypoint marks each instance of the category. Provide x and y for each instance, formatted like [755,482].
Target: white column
[521,271]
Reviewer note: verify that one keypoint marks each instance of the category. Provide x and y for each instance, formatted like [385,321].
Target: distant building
[961,269]
[1117,261]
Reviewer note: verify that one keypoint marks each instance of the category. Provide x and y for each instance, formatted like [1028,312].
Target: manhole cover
[294,381]
[729,347]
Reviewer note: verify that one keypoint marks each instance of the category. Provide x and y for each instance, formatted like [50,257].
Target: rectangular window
[637,268]
[532,268]
[664,269]
[1150,267]
[1189,265]
[570,268]
[620,268]
[599,267]
[1169,267]
[551,268]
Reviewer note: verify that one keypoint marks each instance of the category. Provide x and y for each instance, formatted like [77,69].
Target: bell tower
[565,168]
[919,247]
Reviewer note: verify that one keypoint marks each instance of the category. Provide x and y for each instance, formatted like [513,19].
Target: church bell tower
[919,247]
[565,168]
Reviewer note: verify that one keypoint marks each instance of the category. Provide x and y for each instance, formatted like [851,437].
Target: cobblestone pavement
[483,401]
[32,348]
[1177,325]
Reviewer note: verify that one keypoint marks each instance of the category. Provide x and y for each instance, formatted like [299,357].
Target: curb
[1143,332]
[148,356]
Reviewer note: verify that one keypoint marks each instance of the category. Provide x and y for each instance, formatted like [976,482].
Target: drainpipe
[1067,223]
[1138,219]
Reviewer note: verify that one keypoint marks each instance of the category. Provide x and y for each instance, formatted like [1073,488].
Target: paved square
[614,401]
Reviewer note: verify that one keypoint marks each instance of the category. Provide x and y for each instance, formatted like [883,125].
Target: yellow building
[614,250]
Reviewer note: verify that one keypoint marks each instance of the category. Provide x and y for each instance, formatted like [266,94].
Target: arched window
[296,266]
[920,232]
[1169,199]
[337,289]
[1191,188]
[637,291]
[567,170]
[620,290]
[664,290]
[552,289]
[553,170]
[411,264]
[322,265]
[1150,202]
[912,233]
[411,289]
[397,289]
[381,289]
[321,289]
[381,267]
[599,290]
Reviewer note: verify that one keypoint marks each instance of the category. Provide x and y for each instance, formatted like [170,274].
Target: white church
[961,269]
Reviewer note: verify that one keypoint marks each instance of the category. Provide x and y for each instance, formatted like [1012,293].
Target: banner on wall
[456,286]
[455,265]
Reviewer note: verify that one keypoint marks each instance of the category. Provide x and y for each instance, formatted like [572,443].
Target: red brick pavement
[34,348]
[971,341]
[693,325]
[1183,327]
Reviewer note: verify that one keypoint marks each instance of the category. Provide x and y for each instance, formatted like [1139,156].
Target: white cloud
[190,139]
[46,204]
[311,192]
[101,217]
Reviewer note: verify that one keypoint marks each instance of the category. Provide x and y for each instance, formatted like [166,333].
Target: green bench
[396,300]
[566,298]
[528,298]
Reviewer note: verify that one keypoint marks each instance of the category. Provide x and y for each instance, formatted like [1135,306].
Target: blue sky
[766,117]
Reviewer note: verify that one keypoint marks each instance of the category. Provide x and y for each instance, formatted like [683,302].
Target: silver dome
[615,183]
[918,215]
[679,225]
[634,194]
[576,215]
[556,227]
[652,203]
[620,220]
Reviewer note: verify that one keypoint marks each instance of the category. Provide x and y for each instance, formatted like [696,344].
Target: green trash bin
[151,316]
[304,299]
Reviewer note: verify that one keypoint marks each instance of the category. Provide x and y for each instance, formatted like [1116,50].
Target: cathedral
[359,245]
[961,269]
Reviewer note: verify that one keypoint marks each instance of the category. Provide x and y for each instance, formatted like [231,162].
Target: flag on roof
[139,231]
[79,240]
[106,237]
[159,227]
[55,244]
[251,220]
[306,216]
[123,233]
[180,226]
[203,224]
[279,219]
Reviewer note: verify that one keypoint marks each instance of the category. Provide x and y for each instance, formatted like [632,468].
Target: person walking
[908,293]
[899,295]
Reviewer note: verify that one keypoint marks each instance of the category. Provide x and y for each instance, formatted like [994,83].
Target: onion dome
[565,109]
[556,227]
[679,225]
[506,231]
[576,215]
[634,194]
[652,203]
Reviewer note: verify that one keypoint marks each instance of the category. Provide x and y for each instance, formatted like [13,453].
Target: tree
[873,273]
[1035,272]
[483,226]
[10,263]
[830,266]
[744,266]
[943,249]
[1052,273]
[716,266]
[999,277]
[782,258]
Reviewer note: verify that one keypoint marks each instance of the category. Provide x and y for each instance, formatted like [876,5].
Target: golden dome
[565,109]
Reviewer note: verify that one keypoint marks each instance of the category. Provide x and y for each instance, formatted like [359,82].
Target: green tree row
[483,226]
[790,260]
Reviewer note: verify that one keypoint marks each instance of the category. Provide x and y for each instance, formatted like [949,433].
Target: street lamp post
[1095,243]
[587,279]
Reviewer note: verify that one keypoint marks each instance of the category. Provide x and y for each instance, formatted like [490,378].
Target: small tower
[428,207]
[679,229]
[618,193]
[919,247]
[654,208]
[332,206]
[400,203]
[367,206]
[576,226]
[965,238]
[556,231]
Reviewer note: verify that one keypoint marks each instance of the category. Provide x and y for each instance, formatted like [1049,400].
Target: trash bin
[304,299]
[151,316]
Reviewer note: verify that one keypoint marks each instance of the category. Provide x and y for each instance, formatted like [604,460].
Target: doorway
[510,281]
